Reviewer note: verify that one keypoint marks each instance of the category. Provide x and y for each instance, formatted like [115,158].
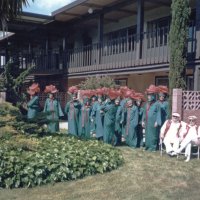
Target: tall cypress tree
[178,43]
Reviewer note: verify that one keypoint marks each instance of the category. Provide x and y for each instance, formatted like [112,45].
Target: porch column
[140,28]
[100,37]
[198,29]
[100,28]
[197,78]
[177,101]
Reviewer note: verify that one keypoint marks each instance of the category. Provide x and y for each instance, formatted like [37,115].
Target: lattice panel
[191,100]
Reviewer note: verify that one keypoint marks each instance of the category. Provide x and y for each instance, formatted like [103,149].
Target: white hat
[175,114]
[192,117]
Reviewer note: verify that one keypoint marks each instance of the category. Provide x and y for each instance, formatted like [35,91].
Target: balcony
[115,55]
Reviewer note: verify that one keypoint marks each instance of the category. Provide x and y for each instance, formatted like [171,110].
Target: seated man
[191,136]
[170,133]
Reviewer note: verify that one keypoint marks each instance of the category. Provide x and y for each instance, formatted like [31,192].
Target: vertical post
[100,35]
[140,28]
[198,29]
[177,101]
[196,78]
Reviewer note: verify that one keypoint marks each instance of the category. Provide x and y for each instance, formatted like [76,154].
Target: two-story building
[125,39]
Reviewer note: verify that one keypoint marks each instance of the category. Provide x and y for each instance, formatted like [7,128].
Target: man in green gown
[84,119]
[164,105]
[110,111]
[131,120]
[97,116]
[151,119]
[139,97]
[118,122]
[33,104]
[53,109]
[72,109]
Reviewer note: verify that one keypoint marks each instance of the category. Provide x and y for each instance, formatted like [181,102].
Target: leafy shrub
[13,122]
[53,159]
[97,82]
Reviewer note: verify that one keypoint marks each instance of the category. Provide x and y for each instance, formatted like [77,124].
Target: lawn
[144,175]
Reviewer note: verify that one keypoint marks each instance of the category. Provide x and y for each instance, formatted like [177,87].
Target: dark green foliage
[53,159]
[13,122]
[12,80]
[97,82]
[178,42]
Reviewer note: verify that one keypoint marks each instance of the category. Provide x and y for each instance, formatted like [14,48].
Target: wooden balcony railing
[114,54]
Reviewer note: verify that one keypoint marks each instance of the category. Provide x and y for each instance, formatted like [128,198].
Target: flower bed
[29,161]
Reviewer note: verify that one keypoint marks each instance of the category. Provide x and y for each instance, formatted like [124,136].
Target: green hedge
[27,162]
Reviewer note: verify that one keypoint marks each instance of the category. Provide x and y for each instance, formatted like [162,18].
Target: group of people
[116,114]
[178,135]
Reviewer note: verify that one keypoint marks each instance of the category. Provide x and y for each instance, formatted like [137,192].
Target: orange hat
[128,93]
[73,89]
[163,89]
[139,96]
[34,88]
[99,91]
[51,89]
[152,89]
[112,94]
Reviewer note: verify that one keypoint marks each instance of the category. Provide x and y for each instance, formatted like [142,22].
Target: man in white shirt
[170,133]
[190,137]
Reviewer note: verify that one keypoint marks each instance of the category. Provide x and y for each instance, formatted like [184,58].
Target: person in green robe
[72,109]
[97,116]
[53,109]
[33,104]
[125,93]
[118,123]
[151,120]
[84,119]
[92,122]
[131,120]
[110,111]
[164,104]
[139,101]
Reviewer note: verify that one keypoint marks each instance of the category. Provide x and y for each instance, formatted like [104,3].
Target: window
[121,82]
[190,82]
[157,32]
[162,80]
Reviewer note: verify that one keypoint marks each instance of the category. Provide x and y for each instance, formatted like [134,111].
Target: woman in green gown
[33,104]
[53,109]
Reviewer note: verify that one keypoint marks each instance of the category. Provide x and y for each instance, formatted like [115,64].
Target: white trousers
[187,143]
[171,146]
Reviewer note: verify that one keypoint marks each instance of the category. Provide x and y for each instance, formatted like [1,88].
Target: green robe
[33,107]
[152,114]
[54,111]
[164,106]
[110,111]
[84,122]
[123,104]
[92,123]
[118,125]
[139,127]
[98,117]
[72,109]
[131,120]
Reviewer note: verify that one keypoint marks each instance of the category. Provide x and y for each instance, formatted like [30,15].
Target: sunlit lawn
[144,175]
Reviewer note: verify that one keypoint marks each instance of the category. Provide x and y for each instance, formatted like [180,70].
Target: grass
[144,175]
